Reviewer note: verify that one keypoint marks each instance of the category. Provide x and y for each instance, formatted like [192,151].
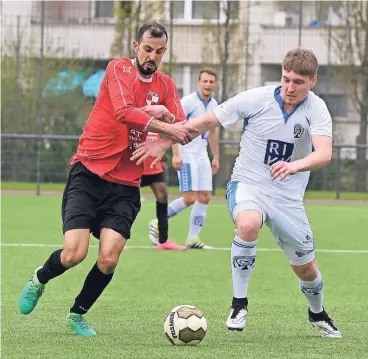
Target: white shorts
[195,176]
[286,219]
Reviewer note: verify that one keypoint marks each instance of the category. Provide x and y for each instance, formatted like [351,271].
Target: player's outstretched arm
[156,149]
[320,157]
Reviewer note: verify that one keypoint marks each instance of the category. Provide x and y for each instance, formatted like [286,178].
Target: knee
[190,198]
[247,231]
[70,258]
[204,197]
[248,225]
[307,272]
[107,263]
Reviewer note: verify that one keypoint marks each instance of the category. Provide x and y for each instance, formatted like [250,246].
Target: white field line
[352,251]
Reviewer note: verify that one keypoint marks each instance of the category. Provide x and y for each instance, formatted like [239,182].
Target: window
[205,9]
[336,104]
[178,77]
[197,10]
[178,9]
[104,8]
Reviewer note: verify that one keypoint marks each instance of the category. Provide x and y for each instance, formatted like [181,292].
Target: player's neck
[289,108]
[205,99]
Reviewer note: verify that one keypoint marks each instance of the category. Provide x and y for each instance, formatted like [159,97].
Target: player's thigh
[204,175]
[80,199]
[119,210]
[291,229]
[188,177]
[241,198]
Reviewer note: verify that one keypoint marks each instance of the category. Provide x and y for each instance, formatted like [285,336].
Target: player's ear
[313,81]
[135,46]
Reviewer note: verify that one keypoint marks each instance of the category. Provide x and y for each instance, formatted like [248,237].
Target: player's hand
[281,169]
[151,149]
[177,162]
[215,165]
[160,112]
[179,133]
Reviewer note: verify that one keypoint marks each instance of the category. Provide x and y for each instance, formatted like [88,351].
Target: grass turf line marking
[352,251]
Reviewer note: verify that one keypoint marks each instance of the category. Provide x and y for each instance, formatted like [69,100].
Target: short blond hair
[302,61]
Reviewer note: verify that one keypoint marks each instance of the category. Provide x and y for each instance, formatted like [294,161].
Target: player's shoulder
[122,63]
[191,96]
[164,78]
[314,100]
[214,101]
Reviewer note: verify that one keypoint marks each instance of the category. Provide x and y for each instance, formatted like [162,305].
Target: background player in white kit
[270,177]
[193,164]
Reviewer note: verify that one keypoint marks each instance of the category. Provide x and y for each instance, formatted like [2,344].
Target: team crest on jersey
[298,130]
[152,98]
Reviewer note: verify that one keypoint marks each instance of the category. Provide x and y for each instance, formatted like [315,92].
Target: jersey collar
[280,101]
[202,100]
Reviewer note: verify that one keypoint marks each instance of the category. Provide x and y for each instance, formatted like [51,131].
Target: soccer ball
[185,325]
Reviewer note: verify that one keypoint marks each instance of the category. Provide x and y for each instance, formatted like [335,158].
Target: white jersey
[194,106]
[270,135]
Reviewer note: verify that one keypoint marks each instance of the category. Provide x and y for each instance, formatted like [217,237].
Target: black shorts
[148,180]
[92,202]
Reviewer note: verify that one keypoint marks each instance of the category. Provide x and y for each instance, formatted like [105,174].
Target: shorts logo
[298,130]
[278,151]
[302,254]
[152,98]
[308,239]
[244,262]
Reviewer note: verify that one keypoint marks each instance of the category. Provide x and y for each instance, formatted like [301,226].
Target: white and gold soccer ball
[185,325]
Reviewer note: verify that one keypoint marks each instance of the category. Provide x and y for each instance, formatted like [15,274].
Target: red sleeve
[172,102]
[120,86]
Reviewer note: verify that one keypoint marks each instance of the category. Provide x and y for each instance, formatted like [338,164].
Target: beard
[146,71]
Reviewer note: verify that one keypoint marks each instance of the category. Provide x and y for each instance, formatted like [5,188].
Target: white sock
[197,217]
[313,291]
[243,258]
[176,206]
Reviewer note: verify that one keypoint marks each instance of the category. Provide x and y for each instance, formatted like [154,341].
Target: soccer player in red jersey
[155,178]
[102,192]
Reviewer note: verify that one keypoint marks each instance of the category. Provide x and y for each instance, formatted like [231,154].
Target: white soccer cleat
[153,231]
[237,319]
[323,324]
[196,243]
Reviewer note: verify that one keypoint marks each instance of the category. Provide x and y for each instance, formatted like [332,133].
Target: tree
[352,44]
[62,111]
[128,16]
[225,43]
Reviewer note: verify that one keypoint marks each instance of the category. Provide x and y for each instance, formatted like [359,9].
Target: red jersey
[158,168]
[116,125]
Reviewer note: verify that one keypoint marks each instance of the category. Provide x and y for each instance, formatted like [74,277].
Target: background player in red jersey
[102,192]
[155,178]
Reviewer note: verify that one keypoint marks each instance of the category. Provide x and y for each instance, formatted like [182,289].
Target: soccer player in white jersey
[194,167]
[281,125]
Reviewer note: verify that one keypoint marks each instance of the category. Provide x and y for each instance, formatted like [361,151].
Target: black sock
[93,286]
[240,302]
[52,268]
[163,221]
